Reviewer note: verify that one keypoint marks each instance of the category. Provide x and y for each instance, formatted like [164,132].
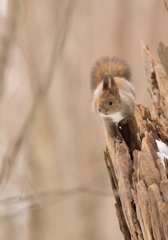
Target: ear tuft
[105,84]
[114,88]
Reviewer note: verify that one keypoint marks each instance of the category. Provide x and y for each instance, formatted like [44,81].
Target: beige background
[64,147]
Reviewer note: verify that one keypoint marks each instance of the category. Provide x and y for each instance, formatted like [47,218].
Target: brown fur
[110,92]
[113,97]
[114,91]
[113,67]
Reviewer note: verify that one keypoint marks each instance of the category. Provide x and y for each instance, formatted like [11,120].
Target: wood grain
[140,177]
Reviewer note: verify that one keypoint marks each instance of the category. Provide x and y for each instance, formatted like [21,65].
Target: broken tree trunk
[138,177]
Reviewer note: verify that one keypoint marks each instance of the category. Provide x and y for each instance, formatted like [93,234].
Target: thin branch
[8,39]
[166,4]
[57,193]
[25,131]
[47,199]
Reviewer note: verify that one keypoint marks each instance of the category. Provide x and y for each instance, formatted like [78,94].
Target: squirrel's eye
[110,103]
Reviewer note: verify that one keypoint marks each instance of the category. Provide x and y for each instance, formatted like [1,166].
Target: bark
[138,177]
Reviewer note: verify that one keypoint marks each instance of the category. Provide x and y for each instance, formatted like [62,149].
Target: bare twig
[57,51]
[166,4]
[8,39]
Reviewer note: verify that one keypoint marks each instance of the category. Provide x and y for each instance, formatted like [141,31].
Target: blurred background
[54,183]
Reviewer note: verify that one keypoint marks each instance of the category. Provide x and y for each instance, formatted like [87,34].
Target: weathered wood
[139,176]
[163,55]
[119,211]
[157,83]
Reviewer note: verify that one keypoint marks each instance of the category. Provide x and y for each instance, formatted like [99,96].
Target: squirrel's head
[109,100]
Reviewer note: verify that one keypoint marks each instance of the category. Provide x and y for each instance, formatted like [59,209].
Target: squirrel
[113,94]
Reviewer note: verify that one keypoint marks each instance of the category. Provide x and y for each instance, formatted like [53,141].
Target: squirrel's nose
[99,110]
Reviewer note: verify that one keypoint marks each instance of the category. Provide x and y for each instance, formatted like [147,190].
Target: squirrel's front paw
[118,137]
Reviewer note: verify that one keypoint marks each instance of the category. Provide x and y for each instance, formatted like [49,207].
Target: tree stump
[137,162]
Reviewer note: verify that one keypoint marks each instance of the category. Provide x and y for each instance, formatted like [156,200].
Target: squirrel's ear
[114,88]
[106,83]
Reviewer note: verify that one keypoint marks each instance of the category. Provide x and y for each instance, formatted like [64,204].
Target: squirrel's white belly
[116,117]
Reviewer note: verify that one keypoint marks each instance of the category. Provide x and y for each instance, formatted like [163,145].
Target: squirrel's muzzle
[101,111]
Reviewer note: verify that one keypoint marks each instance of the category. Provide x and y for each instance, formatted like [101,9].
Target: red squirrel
[113,94]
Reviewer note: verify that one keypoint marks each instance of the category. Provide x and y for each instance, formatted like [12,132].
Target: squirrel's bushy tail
[114,67]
